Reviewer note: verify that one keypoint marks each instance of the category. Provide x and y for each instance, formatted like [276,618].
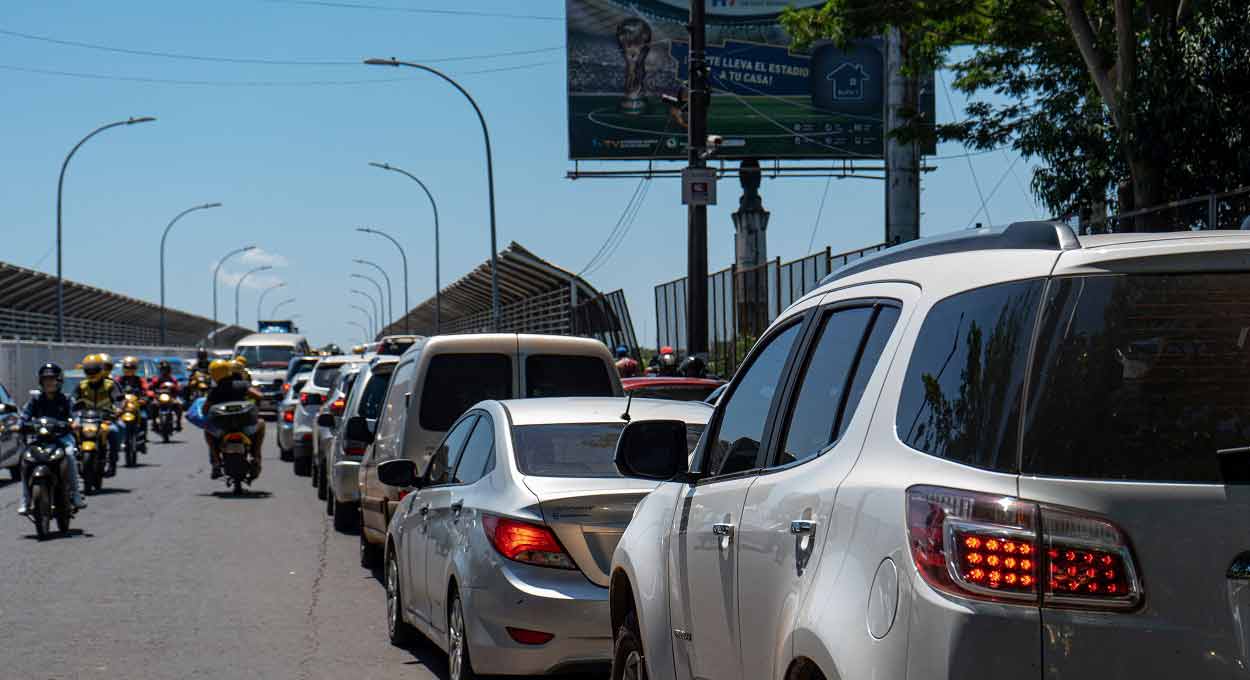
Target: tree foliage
[1132,102]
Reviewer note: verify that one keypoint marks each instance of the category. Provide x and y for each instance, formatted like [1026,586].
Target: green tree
[1136,101]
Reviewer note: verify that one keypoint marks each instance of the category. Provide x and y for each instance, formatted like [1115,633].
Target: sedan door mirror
[653,450]
[325,419]
[399,472]
[357,429]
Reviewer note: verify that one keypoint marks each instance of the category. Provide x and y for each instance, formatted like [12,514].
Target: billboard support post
[696,214]
[902,157]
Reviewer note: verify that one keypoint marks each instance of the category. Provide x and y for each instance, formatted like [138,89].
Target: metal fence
[19,324]
[20,360]
[742,302]
[607,318]
[1227,210]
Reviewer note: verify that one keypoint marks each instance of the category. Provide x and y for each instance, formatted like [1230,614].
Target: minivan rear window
[961,397]
[1141,378]
[555,375]
[455,382]
[267,356]
[575,449]
[326,374]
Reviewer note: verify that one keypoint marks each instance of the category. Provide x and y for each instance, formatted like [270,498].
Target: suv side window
[961,395]
[444,460]
[479,454]
[843,356]
[740,430]
[395,410]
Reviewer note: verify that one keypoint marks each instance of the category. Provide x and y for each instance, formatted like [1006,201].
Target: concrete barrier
[20,359]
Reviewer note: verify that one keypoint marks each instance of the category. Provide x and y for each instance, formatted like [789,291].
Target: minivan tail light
[525,542]
[1006,549]
[337,406]
[353,450]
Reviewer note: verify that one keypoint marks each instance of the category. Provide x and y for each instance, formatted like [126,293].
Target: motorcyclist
[200,372]
[693,367]
[99,392]
[131,382]
[626,366]
[229,385]
[160,383]
[241,368]
[51,402]
[665,363]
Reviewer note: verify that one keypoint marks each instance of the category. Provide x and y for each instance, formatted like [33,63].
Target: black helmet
[51,370]
[667,363]
[164,366]
[693,367]
[201,357]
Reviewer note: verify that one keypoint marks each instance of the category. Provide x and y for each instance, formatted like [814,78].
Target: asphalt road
[166,575]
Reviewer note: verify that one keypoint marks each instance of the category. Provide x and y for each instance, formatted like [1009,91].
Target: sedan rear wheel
[459,667]
[400,632]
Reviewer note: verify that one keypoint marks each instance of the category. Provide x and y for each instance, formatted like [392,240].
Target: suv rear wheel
[628,662]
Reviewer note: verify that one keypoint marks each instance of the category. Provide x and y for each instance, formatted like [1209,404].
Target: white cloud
[259,280]
[259,256]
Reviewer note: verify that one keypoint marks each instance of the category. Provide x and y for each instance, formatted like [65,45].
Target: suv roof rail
[1035,235]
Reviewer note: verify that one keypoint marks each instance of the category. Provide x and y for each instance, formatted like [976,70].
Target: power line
[250,60]
[615,229]
[993,191]
[415,10]
[629,224]
[812,241]
[250,83]
[975,182]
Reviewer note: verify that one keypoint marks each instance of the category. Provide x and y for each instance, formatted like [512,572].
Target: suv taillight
[337,406]
[1011,550]
[525,542]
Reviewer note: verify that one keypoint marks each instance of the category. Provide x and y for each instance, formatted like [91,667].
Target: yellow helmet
[92,366]
[220,369]
[106,360]
[130,365]
[241,361]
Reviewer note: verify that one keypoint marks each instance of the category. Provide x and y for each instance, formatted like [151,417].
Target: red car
[676,388]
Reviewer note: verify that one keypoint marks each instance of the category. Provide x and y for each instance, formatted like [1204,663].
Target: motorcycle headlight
[104,427]
[29,457]
[90,430]
[57,455]
[43,431]
[128,417]
[88,446]
[164,398]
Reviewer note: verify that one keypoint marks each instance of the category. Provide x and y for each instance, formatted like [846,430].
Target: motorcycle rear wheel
[132,453]
[41,511]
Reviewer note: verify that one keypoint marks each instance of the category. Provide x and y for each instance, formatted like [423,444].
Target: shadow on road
[109,491]
[73,533]
[245,496]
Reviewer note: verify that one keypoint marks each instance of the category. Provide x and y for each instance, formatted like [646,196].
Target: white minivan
[267,356]
[438,379]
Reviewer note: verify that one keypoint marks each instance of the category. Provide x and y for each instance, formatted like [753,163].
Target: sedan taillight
[524,542]
[288,416]
[1010,550]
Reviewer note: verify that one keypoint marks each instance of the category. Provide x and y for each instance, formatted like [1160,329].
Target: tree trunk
[1147,186]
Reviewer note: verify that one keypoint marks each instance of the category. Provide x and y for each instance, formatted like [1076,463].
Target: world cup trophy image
[634,37]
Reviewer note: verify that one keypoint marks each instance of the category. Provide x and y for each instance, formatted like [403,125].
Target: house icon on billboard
[848,81]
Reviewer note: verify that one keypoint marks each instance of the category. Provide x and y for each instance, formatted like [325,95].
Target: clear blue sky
[289,161]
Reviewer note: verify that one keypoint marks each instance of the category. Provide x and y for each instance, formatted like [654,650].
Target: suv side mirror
[653,450]
[398,472]
[325,419]
[357,429]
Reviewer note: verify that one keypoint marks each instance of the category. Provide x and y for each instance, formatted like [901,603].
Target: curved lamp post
[382,321]
[438,289]
[238,286]
[364,332]
[368,318]
[260,301]
[390,299]
[217,274]
[490,176]
[273,313]
[377,320]
[165,235]
[60,185]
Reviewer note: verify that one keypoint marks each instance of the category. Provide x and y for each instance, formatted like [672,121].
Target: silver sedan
[501,551]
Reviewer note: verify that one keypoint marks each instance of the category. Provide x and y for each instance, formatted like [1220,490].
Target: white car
[1008,453]
[286,415]
[325,376]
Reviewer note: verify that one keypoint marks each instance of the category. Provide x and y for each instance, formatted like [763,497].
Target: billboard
[627,72]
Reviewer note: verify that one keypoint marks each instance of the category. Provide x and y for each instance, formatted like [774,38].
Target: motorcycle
[235,424]
[166,415]
[136,441]
[44,470]
[93,448]
[198,387]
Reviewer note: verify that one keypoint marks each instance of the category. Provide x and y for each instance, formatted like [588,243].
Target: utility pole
[696,211]
[902,158]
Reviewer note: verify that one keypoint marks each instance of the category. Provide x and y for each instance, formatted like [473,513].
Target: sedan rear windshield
[267,356]
[325,375]
[555,375]
[1143,378]
[574,449]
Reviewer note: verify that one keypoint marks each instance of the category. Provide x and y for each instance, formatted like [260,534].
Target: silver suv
[1006,453]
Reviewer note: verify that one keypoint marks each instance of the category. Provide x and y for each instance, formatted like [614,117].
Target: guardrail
[20,359]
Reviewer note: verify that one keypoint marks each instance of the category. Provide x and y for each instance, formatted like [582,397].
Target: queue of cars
[975,456]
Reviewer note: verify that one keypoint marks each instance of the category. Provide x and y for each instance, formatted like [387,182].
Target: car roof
[554,410]
[511,342]
[262,339]
[648,381]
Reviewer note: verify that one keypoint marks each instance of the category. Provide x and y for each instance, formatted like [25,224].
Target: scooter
[93,448]
[44,469]
[136,441]
[235,424]
[166,416]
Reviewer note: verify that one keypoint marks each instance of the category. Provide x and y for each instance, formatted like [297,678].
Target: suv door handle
[723,529]
[802,526]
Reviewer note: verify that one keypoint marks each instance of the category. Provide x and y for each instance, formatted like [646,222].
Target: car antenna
[629,401]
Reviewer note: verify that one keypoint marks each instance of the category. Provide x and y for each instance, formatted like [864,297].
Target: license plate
[233,447]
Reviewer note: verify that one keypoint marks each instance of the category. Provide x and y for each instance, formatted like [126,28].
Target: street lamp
[260,301]
[368,317]
[238,286]
[438,288]
[217,273]
[490,176]
[390,299]
[163,237]
[364,332]
[382,321]
[60,184]
[374,305]
[273,313]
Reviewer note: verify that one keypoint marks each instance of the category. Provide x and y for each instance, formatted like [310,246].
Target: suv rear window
[1142,378]
[326,374]
[961,397]
[575,449]
[267,356]
[455,382]
[555,375]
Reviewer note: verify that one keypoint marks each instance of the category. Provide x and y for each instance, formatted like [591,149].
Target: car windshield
[267,356]
[575,449]
[1134,381]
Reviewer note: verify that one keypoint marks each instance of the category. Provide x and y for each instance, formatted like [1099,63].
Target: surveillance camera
[715,140]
